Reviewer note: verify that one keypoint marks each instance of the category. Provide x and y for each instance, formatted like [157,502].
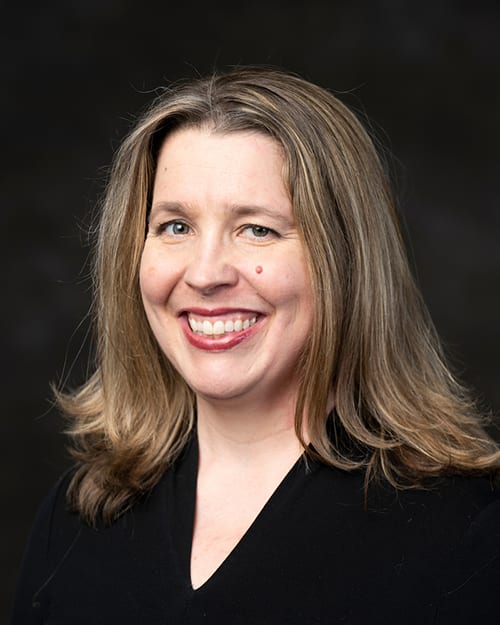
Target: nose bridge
[211,263]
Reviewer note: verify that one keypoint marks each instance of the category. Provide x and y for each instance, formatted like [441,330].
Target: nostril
[207,284]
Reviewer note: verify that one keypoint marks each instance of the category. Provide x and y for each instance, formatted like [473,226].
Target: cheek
[155,279]
[285,284]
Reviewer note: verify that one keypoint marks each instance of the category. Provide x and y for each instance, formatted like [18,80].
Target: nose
[211,267]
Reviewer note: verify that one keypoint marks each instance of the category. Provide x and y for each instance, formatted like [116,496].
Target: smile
[219,327]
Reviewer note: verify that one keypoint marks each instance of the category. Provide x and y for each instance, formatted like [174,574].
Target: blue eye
[258,232]
[175,228]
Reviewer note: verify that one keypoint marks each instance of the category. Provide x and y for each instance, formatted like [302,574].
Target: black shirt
[317,553]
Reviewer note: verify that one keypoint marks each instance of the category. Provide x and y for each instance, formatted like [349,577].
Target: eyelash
[265,232]
[163,227]
[254,227]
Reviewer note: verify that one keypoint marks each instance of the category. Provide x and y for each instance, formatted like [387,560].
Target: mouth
[220,326]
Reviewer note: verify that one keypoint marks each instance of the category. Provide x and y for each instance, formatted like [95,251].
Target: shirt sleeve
[471,591]
[36,567]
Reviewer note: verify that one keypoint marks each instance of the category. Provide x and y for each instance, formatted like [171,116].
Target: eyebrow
[251,211]
[167,207]
[238,210]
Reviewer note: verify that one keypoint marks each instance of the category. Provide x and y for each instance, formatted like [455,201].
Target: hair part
[399,412]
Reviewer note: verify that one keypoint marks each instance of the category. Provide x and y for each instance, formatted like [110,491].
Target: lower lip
[225,342]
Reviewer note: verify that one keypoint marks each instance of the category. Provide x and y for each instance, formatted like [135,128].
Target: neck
[246,434]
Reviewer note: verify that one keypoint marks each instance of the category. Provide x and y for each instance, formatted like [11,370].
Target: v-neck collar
[182,512]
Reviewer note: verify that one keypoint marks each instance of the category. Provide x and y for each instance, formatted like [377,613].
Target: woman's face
[223,274]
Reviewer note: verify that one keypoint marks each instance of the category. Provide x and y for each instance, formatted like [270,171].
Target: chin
[219,392]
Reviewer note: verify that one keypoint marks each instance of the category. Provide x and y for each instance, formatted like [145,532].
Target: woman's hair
[399,412]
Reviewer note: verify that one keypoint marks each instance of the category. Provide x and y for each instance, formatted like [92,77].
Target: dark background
[74,74]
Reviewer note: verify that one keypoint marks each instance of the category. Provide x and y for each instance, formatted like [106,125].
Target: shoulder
[53,519]
[54,529]
[472,572]
[432,522]
[67,561]
[452,498]
[446,538]
[445,513]
[436,549]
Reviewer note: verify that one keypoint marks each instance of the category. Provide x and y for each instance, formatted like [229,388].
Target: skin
[220,212]
[199,261]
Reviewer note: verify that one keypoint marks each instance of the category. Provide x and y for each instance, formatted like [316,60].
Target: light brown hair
[399,412]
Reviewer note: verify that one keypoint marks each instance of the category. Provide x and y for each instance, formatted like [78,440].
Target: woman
[271,434]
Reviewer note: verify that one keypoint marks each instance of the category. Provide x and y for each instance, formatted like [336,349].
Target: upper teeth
[219,327]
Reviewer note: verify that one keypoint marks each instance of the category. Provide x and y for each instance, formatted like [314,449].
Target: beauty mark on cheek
[258,269]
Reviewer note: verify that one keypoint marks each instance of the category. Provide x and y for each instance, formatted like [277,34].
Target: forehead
[201,161]
[194,142]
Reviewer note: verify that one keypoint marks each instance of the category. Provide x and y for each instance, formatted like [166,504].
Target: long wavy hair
[399,412]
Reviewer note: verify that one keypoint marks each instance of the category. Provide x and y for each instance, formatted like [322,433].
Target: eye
[255,231]
[174,228]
